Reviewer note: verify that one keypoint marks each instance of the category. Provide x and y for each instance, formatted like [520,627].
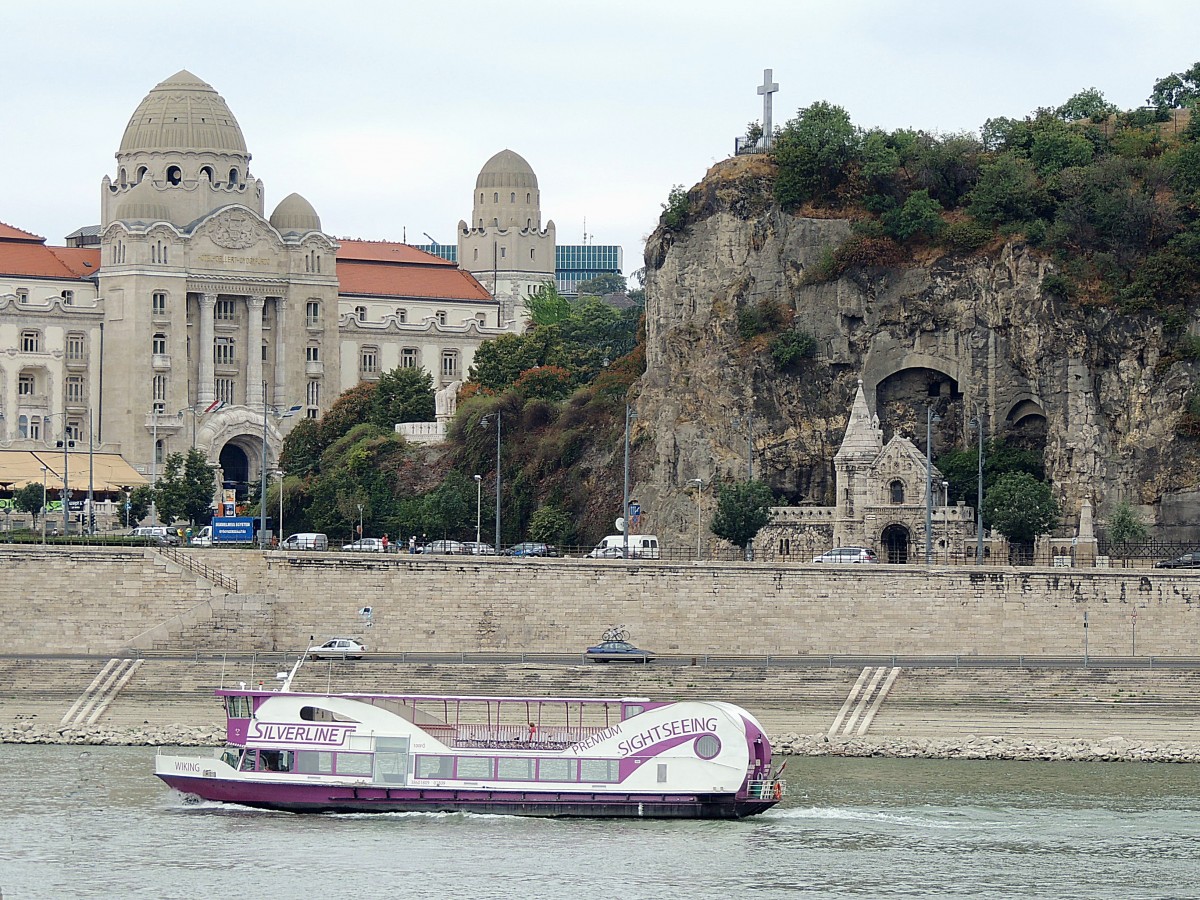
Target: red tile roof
[27,255]
[381,269]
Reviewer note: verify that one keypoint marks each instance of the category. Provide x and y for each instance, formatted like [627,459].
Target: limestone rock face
[1097,390]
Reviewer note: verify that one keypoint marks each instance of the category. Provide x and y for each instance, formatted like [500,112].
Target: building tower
[504,244]
[208,306]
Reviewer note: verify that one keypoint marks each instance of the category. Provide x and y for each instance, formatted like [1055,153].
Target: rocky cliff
[1098,391]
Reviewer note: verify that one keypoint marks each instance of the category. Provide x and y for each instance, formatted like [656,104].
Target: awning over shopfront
[110,472]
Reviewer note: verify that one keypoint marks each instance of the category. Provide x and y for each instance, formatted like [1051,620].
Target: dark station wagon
[617,651]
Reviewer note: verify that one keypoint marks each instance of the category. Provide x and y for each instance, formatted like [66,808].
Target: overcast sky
[382,113]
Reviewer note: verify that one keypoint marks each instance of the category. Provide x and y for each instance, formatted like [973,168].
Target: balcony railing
[161,361]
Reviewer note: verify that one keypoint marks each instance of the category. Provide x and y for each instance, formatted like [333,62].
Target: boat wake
[953,821]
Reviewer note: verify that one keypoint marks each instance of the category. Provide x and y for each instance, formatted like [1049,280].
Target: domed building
[504,244]
[189,318]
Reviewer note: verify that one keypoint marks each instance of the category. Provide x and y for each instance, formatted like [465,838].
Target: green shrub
[791,347]
[966,237]
[675,210]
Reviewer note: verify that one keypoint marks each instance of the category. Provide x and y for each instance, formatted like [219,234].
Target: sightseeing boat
[304,752]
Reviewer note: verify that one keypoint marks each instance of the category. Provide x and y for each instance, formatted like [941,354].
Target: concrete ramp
[866,696]
[99,695]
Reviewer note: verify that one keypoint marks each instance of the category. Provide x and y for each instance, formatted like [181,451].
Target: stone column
[254,367]
[281,399]
[206,390]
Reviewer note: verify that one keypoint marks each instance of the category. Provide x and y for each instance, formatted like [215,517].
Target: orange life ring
[778,792]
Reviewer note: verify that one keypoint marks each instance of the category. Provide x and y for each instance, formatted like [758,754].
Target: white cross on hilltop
[767,88]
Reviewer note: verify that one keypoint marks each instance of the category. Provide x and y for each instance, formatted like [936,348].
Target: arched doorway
[236,468]
[895,540]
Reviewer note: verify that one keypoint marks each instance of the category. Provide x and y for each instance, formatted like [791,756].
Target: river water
[94,822]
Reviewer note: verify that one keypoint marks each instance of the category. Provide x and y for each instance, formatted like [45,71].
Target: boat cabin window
[632,710]
[598,770]
[354,763]
[435,767]
[249,760]
[514,769]
[275,760]
[237,707]
[557,770]
[230,757]
[474,767]
[314,762]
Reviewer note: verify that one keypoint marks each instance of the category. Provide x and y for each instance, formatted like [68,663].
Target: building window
[223,352]
[159,344]
[512,198]
[223,311]
[408,358]
[35,428]
[503,252]
[75,347]
[369,361]
[224,387]
[401,315]
[360,313]
[158,303]
[68,298]
[312,395]
[312,313]
[160,390]
[312,353]
[897,489]
[31,341]
[22,295]
[441,317]
[496,197]
[450,364]
[74,388]
[159,450]
[22,426]
[25,385]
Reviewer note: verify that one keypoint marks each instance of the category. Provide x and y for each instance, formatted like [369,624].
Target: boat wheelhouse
[307,752]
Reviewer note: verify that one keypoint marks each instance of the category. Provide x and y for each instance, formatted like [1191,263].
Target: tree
[1008,190]
[547,306]
[29,498]
[675,210]
[1087,104]
[1124,525]
[544,383]
[920,215]
[301,453]
[742,509]
[1176,90]
[402,395]
[814,152]
[550,525]
[139,503]
[605,283]
[185,491]
[1020,507]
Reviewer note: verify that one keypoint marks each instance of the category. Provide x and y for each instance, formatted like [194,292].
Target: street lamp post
[629,416]
[946,516]
[977,423]
[699,483]
[262,489]
[280,473]
[44,471]
[930,420]
[483,423]
[360,534]
[479,509]
[91,509]
[66,495]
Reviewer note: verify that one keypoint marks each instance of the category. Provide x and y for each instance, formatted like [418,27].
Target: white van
[203,537]
[644,546]
[305,541]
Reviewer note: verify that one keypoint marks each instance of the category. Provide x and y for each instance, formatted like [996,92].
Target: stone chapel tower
[855,476]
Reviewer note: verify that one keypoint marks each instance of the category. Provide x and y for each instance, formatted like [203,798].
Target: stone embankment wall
[106,601]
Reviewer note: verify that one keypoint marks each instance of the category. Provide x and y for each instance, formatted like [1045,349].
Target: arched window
[159,450]
[141,173]
[496,197]
[159,343]
[531,253]
[476,253]
[121,177]
[897,489]
[174,176]
[207,172]
[23,426]
[233,176]
[512,198]
[529,223]
[527,198]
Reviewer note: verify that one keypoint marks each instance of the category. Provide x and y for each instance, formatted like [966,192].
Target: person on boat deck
[532,731]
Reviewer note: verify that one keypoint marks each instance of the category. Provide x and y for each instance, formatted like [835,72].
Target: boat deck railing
[766,789]
[511,737]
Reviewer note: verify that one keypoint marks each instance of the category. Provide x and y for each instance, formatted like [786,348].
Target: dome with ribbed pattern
[183,114]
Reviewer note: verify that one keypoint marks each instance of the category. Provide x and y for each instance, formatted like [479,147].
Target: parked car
[532,548]
[444,547]
[847,555]
[338,648]
[306,540]
[365,545]
[617,651]
[480,549]
[1187,561]
[158,534]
